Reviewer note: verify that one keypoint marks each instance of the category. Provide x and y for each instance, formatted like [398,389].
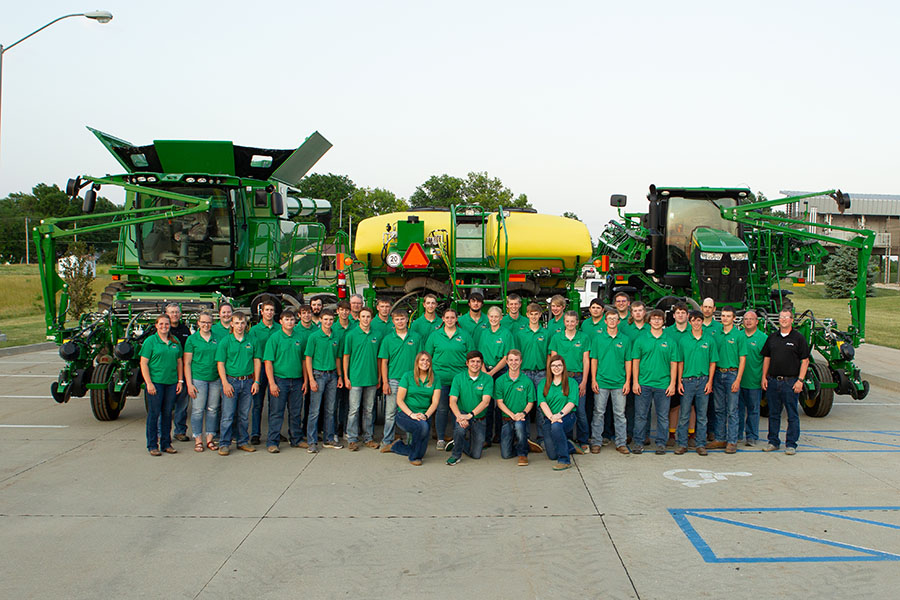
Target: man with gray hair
[751,382]
[180,332]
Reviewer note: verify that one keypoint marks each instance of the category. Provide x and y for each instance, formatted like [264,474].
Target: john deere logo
[726,271]
[179,279]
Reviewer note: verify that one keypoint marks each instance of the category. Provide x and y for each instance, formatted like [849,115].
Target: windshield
[197,241]
[684,216]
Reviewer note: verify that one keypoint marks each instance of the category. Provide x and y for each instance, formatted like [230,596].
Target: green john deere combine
[722,243]
[204,222]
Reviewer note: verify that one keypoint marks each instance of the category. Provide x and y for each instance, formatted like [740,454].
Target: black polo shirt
[786,353]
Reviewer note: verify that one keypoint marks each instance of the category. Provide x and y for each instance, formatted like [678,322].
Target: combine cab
[204,222]
[721,243]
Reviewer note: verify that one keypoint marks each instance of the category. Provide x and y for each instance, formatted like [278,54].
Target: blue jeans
[442,414]
[159,416]
[238,405]
[390,412]
[514,430]
[618,409]
[361,398]
[494,417]
[726,403]
[327,382]
[557,435]
[470,439]
[781,394]
[693,395]
[209,393]
[748,414]
[536,377]
[290,395]
[657,397]
[180,411]
[419,431]
[259,399]
[581,421]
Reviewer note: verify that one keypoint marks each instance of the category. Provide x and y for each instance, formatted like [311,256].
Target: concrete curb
[882,382]
[15,350]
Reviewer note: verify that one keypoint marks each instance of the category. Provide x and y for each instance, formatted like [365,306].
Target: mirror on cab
[618,200]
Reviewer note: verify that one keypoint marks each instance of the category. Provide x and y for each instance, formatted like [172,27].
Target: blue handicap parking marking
[849,440]
[807,547]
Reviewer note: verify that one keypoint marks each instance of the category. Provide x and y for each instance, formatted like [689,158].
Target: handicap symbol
[706,476]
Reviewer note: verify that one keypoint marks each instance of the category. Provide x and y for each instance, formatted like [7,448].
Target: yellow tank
[539,238]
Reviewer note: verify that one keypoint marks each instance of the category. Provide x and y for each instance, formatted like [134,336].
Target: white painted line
[28,375]
[28,397]
[3,361]
[866,404]
[35,426]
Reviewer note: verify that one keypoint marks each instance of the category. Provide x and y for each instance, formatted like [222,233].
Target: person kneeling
[515,399]
[418,395]
[558,401]
[470,395]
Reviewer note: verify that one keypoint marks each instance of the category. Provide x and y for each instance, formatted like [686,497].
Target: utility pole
[27,258]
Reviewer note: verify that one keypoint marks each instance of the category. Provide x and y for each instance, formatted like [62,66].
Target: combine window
[197,241]
[684,216]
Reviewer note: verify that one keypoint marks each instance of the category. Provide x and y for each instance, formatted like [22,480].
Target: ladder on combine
[474,263]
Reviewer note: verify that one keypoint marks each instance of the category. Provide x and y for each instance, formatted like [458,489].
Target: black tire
[108,296]
[104,406]
[820,405]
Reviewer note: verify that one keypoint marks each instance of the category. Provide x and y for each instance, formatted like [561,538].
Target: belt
[726,370]
[242,377]
[694,377]
[782,377]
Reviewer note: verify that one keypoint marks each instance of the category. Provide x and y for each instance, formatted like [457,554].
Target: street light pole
[101,16]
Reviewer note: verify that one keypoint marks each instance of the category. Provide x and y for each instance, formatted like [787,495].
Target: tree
[840,274]
[365,202]
[331,187]
[78,272]
[570,215]
[477,188]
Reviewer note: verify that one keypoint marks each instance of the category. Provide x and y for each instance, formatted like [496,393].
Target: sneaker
[247,448]
[254,440]
[385,448]
[312,449]
[523,461]
[562,466]
[637,450]
[595,449]
[660,450]
[730,448]
[750,443]
[273,450]
[701,450]
[453,460]
[353,447]
[333,444]
[790,451]
[441,445]
[448,446]
[623,450]
[224,450]
[680,450]
[770,448]
[534,447]
[371,444]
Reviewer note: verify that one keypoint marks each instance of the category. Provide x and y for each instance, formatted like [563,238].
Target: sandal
[212,445]
[198,445]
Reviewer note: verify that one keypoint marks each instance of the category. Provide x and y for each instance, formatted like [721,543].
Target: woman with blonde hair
[558,399]
[418,394]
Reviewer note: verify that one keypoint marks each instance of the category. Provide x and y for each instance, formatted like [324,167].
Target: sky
[567,102]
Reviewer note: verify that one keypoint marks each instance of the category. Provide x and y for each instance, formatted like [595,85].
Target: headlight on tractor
[710,256]
[739,256]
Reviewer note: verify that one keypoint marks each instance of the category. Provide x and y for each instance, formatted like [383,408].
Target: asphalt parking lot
[86,512]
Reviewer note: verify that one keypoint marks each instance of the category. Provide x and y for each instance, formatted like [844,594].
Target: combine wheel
[820,405]
[108,297]
[105,406]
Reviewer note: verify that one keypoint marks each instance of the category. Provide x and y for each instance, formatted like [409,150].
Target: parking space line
[35,426]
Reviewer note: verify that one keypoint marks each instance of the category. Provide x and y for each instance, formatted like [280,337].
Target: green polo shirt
[473,328]
[554,326]
[260,335]
[516,393]
[418,394]
[572,350]
[753,366]
[656,356]
[324,350]
[448,354]
[219,331]
[589,328]
[286,353]
[714,327]
[696,354]
[342,331]
[611,354]
[162,358]
[203,356]
[676,335]
[382,328]
[633,332]
[400,352]
[731,348]
[305,332]
[362,348]
[236,355]
[422,327]
[469,392]
[514,325]
[555,399]
[494,345]
[533,345]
